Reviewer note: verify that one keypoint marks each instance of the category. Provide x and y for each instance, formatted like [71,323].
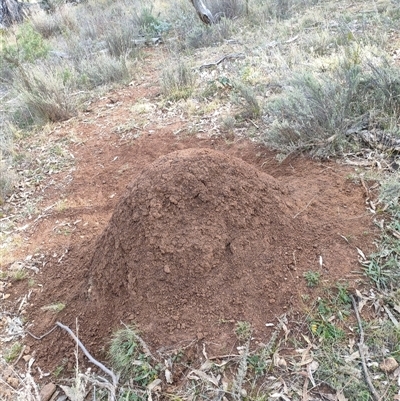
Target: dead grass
[177,81]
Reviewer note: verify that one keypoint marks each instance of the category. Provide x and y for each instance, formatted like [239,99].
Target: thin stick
[44,335]
[361,346]
[367,194]
[308,204]
[86,352]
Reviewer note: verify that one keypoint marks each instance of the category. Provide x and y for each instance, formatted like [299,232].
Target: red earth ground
[183,235]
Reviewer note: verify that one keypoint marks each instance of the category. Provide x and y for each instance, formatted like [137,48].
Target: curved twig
[42,336]
[86,352]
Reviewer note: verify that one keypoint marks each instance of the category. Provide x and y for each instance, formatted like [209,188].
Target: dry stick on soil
[361,345]
[44,335]
[301,211]
[86,352]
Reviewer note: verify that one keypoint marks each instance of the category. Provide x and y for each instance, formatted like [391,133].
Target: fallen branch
[203,12]
[361,348]
[86,352]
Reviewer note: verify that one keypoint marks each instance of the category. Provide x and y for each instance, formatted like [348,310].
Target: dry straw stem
[361,347]
[30,390]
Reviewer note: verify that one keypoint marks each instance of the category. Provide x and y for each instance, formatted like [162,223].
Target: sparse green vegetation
[243,330]
[27,46]
[312,278]
[130,360]
[58,371]
[382,266]
[18,275]
[319,111]
[12,353]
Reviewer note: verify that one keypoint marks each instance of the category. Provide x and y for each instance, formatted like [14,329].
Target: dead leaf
[361,254]
[391,316]
[203,376]
[352,357]
[352,342]
[168,376]
[280,395]
[155,385]
[279,361]
[207,365]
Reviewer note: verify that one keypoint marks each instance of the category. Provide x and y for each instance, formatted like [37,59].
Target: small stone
[27,349]
[167,269]
[27,358]
[47,391]
[388,365]
[6,296]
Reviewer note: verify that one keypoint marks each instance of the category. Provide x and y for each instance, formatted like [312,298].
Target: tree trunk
[203,12]
[10,12]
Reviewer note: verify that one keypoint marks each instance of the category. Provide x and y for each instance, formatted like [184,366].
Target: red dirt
[213,233]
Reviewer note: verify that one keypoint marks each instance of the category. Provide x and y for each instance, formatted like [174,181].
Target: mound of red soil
[199,238]
[199,241]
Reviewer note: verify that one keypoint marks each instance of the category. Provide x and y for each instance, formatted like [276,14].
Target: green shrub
[248,99]
[312,278]
[12,353]
[150,25]
[228,8]
[29,46]
[191,33]
[316,110]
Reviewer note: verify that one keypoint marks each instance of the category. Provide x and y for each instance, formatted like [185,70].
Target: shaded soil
[183,235]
